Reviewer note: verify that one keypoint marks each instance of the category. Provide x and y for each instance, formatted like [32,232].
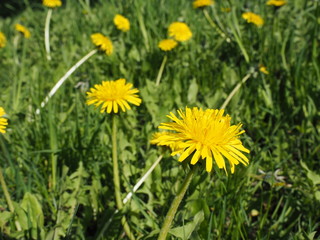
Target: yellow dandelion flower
[179,31]
[52,3]
[103,42]
[253,18]
[121,23]
[23,30]
[263,69]
[202,3]
[167,44]
[277,3]
[206,134]
[160,137]
[3,40]
[3,121]
[112,94]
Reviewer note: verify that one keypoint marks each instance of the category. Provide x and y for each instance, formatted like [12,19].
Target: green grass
[279,111]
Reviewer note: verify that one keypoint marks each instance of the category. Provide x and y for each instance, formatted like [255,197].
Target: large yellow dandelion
[52,3]
[121,23]
[102,42]
[112,95]
[179,31]
[205,135]
[23,30]
[3,40]
[202,3]
[277,3]
[253,18]
[3,121]
[167,44]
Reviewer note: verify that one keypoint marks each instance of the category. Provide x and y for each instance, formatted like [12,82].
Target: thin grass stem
[235,90]
[175,204]
[47,34]
[116,176]
[161,70]
[214,26]
[8,198]
[64,78]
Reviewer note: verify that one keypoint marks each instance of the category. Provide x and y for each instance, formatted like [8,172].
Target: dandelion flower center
[253,18]
[52,3]
[202,3]
[121,23]
[112,95]
[277,3]
[207,135]
[23,30]
[102,42]
[3,40]
[179,31]
[167,44]
[3,121]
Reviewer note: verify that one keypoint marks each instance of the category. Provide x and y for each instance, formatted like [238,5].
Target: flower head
[253,18]
[52,3]
[3,40]
[112,94]
[202,3]
[3,121]
[277,3]
[179,31]
[206,135]
[263,69]
[23,30]
[102,42]
[167,44]
[159,137]
[121,23]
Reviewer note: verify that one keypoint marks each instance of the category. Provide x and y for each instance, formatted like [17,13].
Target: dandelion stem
[116,179]
[234,91]
[161,70]
[8,198]
[175,204]
[214,26]
[47,34]
[62,80]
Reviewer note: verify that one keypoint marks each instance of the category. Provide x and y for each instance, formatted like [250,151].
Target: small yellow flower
[277,3]
[3,121]
[253,18]
[263,69]
[121,23]
[102,42]
[23,30]
[112,94]
[206,135]
[3,40]
[52,3]
[167,44]
[202,3]
[179,31]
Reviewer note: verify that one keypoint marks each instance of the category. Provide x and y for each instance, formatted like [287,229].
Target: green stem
[214,26]
[116,179]
[161,70]
[175,204]
[47,34]
[8,198]
[234,91]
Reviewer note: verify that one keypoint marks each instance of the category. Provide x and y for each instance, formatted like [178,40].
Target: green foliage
[276,197]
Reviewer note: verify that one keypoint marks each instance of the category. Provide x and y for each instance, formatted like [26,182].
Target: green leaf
[193,92]
[185,231]
[315,178]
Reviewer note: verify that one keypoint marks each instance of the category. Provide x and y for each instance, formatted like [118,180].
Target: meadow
[57,158]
